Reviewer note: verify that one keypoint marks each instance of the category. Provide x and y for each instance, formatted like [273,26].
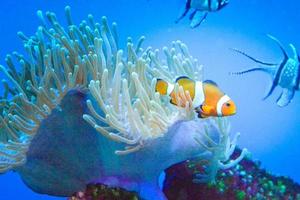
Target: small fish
[201,8]
[206,97]
[286,74]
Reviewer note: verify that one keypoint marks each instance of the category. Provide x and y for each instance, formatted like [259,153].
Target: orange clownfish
[207,98]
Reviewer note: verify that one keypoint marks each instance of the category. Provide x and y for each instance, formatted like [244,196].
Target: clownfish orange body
[207,98]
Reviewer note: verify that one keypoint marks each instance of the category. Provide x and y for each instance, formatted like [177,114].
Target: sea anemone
[77,82]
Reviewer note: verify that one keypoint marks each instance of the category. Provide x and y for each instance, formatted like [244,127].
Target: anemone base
[246,181]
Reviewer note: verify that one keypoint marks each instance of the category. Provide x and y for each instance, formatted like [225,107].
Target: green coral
[240,195]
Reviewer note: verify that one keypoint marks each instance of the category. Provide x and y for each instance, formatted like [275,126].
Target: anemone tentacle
[131,107]
[119,101]
[220,148]
[57,61]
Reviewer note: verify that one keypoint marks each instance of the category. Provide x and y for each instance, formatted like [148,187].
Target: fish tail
[161,87]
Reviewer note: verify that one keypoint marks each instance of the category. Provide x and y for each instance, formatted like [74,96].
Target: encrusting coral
[76,83]
[245,181]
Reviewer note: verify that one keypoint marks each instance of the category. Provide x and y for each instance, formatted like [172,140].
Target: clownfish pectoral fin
[201,115]
[197,18]
[206,109]
[161,87]
[173,102]
[285,97]
[185,11]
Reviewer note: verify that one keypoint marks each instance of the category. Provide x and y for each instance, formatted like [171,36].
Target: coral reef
[103,192]
[82,110]
[247,180]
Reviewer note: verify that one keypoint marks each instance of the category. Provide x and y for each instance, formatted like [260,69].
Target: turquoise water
[269,132]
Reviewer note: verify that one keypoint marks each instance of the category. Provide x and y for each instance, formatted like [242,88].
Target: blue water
[271,133]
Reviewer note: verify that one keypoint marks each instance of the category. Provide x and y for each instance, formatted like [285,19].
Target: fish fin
[294,50]
[192,14]
[279,44]
[269,70]
[200,115]
[182,80]
[185,11]
[252,58]
[172,102]
[182,77]
[211,82]
[278,71]
[273,86]
[285,97]
[161,86]
[206,108]
[198,18]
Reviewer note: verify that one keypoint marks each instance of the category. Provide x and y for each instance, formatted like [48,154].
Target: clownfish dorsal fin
[210,82]
[182,80]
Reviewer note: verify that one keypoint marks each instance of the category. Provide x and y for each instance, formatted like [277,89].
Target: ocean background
[271,133]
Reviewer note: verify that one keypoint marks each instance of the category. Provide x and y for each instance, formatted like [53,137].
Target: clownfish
[207,98]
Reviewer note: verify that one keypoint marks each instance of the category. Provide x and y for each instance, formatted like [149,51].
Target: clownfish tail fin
[161,87]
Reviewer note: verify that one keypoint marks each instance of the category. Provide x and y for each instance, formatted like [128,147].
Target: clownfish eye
[228,104]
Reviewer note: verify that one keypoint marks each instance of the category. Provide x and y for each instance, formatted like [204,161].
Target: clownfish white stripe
[199,94]
[220,103]
[170,88]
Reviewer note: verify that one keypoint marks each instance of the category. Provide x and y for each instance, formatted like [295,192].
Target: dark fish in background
[286,74]
[201,8]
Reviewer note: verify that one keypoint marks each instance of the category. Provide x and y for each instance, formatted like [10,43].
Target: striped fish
[206,97]
[286,74]
[201,8]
